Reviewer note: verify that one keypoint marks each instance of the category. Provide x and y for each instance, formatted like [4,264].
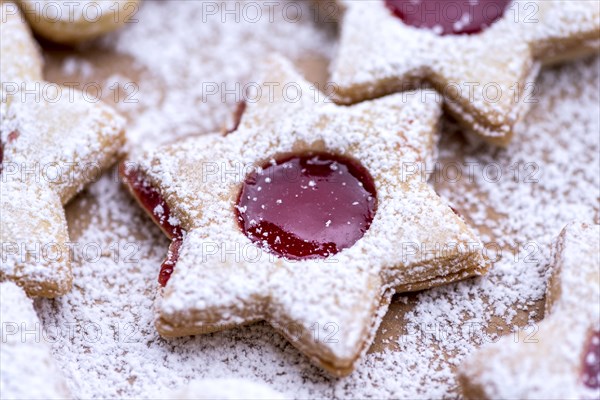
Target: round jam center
[449,17]
[309,206]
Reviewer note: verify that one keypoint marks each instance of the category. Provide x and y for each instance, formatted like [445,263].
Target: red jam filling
[444,17]
[310,206]
[167,266]
[152,201]
[591,362]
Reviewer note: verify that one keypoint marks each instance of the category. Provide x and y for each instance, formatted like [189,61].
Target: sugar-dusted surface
[51,150]
[486,78]
[225,389]
[204,62]
[553,365]
[559,136]
[53,140]
[200,178]
[16,39]
[25,353]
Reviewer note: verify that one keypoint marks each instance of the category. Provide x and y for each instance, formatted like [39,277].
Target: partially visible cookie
[53,141]
[27,369]
[21,59]
[69,22]
[562,359]
[483,57]
[307,215]
[224,389]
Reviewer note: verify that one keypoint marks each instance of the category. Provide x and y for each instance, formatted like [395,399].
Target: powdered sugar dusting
[225,389]
[521,217]
[504,58]
[16,39]
[560,135]
[552,365]
[25,352]
[52,138]
[205,62]
[397,252]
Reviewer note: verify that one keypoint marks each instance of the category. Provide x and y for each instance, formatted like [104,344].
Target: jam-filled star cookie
[482,56]
[53,141]
[303,217]
[27,369]
[70,22]
[562,359]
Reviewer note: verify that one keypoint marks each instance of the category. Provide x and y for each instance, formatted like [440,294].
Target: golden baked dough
[69,22]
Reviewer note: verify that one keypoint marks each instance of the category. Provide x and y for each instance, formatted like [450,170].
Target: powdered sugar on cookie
[559,136]
[16,39]
[25,352]
[54,140]
[487,78]
[203,98]
[562,361]
[414,241]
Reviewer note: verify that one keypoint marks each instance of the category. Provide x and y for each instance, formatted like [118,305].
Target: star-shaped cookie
[487,77]
[383,229]
[561,359]
[53,141]
[69,22]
